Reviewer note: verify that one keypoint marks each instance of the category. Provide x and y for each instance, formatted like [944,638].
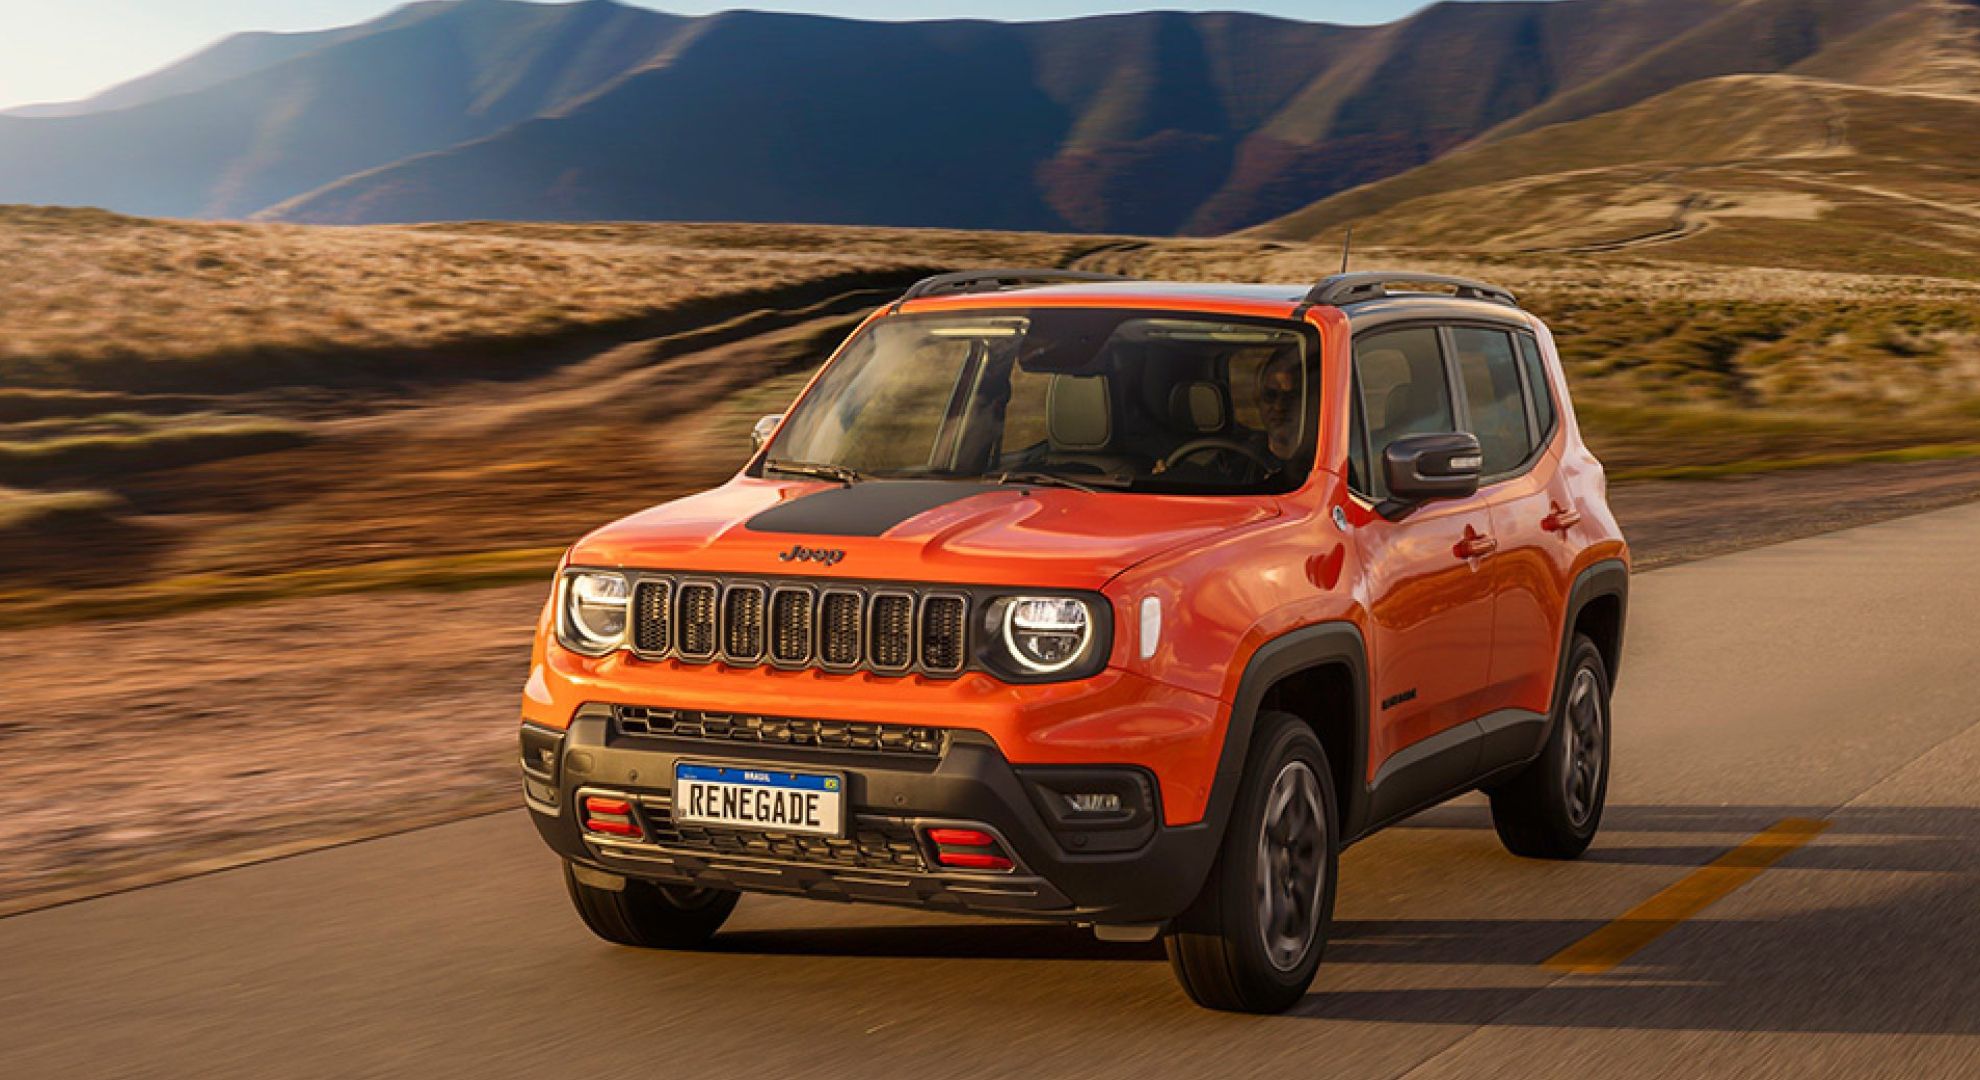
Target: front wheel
[1552,808]
[649,915]
[1251,941]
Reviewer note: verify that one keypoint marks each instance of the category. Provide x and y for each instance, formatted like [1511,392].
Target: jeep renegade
[1123,603]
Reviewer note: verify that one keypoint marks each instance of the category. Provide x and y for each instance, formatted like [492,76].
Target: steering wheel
[1197,446]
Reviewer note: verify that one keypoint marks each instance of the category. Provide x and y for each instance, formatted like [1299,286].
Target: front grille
[791,626]
[875,843]
[697,621]
[779,731]
[890,630]
[839,637]
[742,624]
[943,630]
[653,616]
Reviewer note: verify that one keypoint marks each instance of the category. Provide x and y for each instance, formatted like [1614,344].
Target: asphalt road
[1835,678]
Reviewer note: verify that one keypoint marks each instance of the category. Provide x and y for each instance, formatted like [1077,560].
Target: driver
[1278,403]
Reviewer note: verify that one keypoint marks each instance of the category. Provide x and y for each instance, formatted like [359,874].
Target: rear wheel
[1553,807]
[1252,939]
[651,916]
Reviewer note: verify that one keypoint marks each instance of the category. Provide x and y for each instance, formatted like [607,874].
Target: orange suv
[1123,603]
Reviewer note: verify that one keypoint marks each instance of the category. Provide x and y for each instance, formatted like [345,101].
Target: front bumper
[1131,869]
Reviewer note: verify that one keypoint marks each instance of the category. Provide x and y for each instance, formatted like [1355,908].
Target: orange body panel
[1463,635]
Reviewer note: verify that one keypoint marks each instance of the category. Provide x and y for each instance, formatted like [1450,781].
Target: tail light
[968,849]
[613,817]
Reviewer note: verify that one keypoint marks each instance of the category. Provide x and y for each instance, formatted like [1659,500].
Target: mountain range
[1151,123]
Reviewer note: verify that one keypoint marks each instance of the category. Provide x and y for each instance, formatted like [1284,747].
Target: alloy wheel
[1292,866]
[1582,776]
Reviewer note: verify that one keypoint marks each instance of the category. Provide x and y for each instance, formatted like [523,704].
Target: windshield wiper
[1051,479]
[817,470]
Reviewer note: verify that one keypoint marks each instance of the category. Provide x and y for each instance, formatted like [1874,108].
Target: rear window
[1493,396]
[1537,384]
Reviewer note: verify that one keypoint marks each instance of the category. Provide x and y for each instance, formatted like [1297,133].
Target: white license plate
[770,800]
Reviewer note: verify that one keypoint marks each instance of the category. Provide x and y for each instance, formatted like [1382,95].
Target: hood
[914,530]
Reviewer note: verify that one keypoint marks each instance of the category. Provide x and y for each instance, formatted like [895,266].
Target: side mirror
[766,426]
[1420,468]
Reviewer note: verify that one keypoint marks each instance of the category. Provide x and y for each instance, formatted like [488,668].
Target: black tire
[1553,807]
[1219,948]
[651,916]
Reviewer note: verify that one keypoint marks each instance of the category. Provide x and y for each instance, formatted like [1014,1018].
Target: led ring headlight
[595,612]
[1046,634]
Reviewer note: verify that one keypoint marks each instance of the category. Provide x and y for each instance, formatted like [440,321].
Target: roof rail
[968,281]
[1341,289]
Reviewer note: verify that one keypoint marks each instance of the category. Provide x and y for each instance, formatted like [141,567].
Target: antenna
[1347,245]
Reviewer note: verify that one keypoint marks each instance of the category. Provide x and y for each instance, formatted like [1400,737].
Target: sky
[59,50]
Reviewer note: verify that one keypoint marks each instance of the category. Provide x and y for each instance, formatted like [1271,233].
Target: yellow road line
[1646,922]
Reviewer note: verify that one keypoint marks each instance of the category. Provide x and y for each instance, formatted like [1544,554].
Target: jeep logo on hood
[800,553]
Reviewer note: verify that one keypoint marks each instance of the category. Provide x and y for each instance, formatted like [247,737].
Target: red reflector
[599,805]
[616,828]
[970,860]
[962,838]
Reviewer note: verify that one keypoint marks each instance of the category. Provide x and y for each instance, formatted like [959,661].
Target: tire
[1551,809]
[651,916]
[1237,948]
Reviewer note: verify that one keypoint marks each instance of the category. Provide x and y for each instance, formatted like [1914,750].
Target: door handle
[1562,519]
[1474,546]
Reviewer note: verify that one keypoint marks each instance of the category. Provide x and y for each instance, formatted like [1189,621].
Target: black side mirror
[1419,468]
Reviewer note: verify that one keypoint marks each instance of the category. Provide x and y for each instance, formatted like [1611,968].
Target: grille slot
[742,623]
[697,621]
[839,636]
[943,632]
[890,631]
[855,737]
[792,616]
[653,616]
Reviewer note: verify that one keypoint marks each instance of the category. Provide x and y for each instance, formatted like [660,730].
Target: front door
[1429,575]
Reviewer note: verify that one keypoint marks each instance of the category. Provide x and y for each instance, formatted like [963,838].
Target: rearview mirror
[766,426]
[1419,468]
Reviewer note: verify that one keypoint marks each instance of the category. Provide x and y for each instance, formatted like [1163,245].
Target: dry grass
[632,359]
[93,299]
[69,449]
[21,510]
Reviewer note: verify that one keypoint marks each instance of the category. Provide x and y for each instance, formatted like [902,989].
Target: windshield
[1100,399]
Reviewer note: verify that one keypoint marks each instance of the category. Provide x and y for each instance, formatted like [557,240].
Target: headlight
[1047,634]
[594,615]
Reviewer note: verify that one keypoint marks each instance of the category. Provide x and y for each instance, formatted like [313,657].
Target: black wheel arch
[1334,648]
[1598,604]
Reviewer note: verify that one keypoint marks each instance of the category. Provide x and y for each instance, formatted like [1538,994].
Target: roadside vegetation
[200,413]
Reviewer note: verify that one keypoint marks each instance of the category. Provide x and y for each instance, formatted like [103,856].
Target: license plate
[770,800]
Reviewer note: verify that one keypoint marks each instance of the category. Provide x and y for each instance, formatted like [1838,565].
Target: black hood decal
[868,508]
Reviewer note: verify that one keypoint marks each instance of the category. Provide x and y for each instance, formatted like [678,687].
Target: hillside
[412,82]
[1858,158]
[1756,170]
[1151,123]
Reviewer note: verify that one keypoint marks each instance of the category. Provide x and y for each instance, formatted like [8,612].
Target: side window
[1493,395]
[1537,385]
[1404,391]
